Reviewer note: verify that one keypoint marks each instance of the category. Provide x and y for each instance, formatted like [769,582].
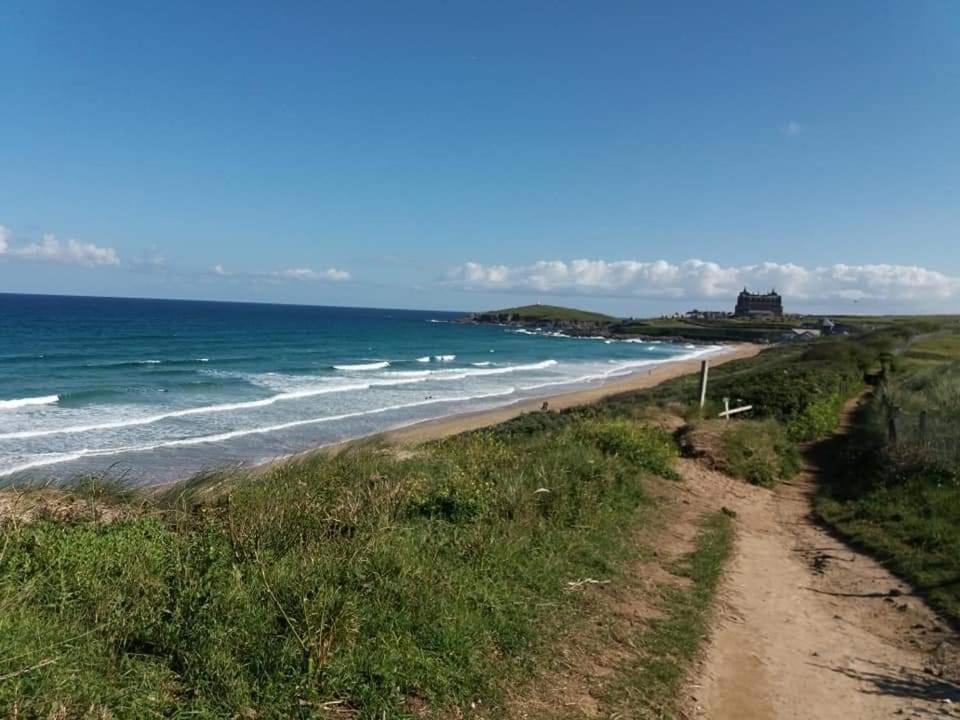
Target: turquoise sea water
[156,390]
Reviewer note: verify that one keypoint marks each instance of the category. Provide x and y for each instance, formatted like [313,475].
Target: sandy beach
[445,427]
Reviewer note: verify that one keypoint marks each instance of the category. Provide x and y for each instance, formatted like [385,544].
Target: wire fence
[923,437]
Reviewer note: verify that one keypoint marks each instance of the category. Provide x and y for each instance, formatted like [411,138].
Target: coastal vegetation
[430,582]
[690,328]
[543,313]
[366,582]
[758,451]
[896,490]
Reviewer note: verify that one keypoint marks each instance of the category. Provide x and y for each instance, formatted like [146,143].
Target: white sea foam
[444,358]
[425,358]
[564,381]
[409,373]
[481,364]
[25,402]
[461,373]
[363,366]
[205,409]
[291,388]
[149,362]
[56,458]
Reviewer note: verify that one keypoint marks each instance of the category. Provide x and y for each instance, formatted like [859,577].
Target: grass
[377,584]
[913,525]
[649,687]
[547,313]
[934,350]
[758,451]
[899,496]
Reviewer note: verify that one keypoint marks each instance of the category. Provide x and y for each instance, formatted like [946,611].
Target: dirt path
[808,628]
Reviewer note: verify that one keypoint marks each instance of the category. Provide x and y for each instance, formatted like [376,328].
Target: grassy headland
[544,313]
[725,329]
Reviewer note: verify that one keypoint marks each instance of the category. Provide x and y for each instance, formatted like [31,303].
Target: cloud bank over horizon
[705,280]
[51,249]
[331,274]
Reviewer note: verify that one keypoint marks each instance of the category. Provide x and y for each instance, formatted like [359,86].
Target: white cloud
[699,279]
[331,274]
[71,252]
[792,128]
[4,239]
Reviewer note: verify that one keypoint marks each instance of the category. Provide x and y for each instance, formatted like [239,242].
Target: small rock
[894,592]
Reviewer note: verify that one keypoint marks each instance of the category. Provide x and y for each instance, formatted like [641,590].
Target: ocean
[155,390]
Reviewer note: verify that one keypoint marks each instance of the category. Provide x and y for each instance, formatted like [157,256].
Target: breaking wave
[26,402]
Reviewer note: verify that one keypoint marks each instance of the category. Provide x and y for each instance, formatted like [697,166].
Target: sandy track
[809,628]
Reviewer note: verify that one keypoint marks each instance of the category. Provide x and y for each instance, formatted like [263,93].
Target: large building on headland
[753,304]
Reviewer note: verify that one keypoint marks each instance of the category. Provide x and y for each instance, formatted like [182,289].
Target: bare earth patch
[609,640]
[809,628]
[25,506]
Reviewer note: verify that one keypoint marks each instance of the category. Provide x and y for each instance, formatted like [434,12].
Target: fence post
[704,370]
[726,409]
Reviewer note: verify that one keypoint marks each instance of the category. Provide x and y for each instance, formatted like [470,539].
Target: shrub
[648,448]
[818,419]
[759,451]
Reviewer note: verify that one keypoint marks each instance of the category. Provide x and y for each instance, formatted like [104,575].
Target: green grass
[703,330]
[913,525]
[548,313]
[937,349]
[384,584]
[899,497]
[364,580]
[759,451]
[649,686]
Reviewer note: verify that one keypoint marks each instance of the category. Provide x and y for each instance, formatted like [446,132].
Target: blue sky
[627,156]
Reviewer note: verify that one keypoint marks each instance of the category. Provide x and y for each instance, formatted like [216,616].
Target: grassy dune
[365,582]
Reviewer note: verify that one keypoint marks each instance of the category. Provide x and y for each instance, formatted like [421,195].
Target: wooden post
[726,408]
[704,370]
